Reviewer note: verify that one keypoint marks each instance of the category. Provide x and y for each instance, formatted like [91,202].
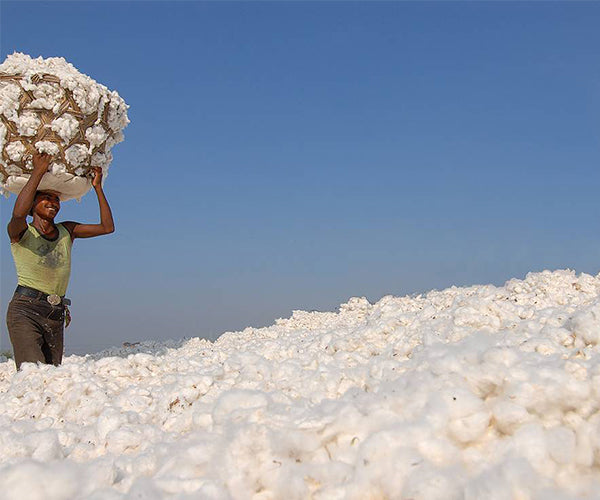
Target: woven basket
[64,176]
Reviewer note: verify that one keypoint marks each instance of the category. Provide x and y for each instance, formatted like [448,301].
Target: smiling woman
[42,254]
[51,196]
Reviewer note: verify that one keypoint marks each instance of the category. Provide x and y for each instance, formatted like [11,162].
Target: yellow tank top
[43,264]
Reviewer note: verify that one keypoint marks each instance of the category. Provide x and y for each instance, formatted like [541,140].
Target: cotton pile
[47,105]
[481,392]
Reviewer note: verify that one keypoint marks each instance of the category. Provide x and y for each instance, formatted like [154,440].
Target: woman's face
[46,204]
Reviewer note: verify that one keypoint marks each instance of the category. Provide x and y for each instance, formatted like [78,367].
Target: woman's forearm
[25,198]
[106,218]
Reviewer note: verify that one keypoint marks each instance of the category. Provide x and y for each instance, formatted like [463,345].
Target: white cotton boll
[584,451]
[124,439]
[286,481]
[427,483]
[110,142]
[501,355]
[86,98]
[117,112]
[575,395]
[509,416]
[296,444]
[238,403]
[38,481]
[28,124]
[560,336]
[585,324]
[210,491]
[103,494]
[439,451]
[3,133]
[246,459]
[461,402]
[108,421]
[66,126]
[96,135]
[46,445]
[577,370]
[336,493]
[145,488]
[47,90]
[77,154]
[58,168]
[47,147]
[511,480]
[485,380]
[104,100]
[530,442]
[322,475]
[114,139]
[387,464]
[15,151]
[462,413]
[68,81]
[9,99]
[45,96]
[561,444]
[108,157]
[102,160]
[469,428]
[528,395]
[27,84]
[201,419]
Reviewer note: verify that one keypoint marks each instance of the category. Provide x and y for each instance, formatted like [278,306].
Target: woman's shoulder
[67,226]
[27,232]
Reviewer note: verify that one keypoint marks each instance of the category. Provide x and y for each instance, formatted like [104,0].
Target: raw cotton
[467,393]
[49,106]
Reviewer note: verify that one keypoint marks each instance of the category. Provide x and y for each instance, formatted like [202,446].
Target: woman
[42,254]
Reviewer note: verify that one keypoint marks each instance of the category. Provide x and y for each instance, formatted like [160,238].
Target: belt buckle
[53,299]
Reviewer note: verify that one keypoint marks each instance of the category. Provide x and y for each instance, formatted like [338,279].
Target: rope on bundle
[67,105]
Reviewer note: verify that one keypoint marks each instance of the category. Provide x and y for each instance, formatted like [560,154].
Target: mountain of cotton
[467,393]
[47,106]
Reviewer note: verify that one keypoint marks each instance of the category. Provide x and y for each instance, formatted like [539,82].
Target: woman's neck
[44,226]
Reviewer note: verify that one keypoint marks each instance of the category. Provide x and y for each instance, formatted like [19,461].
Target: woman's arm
[18,222]
[106,225]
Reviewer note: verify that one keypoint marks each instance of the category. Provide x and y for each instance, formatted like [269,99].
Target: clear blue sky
[290,155]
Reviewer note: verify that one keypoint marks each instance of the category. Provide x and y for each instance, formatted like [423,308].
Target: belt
[52,298]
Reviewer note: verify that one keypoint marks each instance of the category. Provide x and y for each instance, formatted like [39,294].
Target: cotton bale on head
[47,105]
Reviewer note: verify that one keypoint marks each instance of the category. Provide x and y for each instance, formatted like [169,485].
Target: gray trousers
[36,330]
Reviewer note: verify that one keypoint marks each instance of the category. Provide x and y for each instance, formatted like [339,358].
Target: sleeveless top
[41,263]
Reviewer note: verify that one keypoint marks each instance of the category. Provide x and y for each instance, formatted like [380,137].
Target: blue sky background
[290,155]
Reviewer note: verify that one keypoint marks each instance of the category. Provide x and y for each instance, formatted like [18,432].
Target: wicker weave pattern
[67,104]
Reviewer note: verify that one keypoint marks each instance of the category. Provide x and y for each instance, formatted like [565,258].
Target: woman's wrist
[38,172]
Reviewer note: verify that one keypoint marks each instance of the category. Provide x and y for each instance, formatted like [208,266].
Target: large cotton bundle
[49,106]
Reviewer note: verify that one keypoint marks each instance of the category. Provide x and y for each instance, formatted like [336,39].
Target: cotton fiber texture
[476,393]
[47,105]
